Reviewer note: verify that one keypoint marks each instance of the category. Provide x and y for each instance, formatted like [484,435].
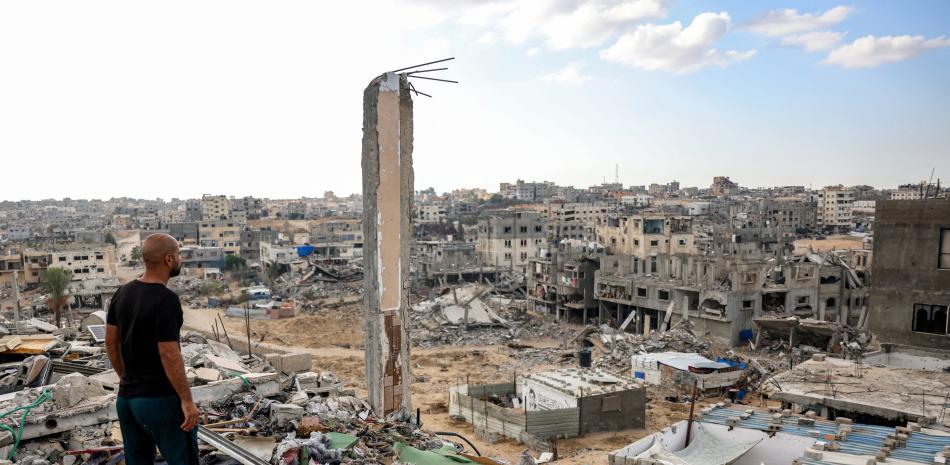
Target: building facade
[910,296]
[835,207]
[509,238]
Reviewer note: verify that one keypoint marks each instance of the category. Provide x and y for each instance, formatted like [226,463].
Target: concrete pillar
[387,206]
[646,324]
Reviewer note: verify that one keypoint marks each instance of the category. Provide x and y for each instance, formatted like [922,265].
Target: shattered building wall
[387,227]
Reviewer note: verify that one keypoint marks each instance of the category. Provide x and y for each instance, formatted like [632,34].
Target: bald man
[143,341]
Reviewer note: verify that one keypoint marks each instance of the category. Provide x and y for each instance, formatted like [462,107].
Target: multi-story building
[215,207]
[574,220]
[430,213]
[648,235]
[251,242]
[193,210]
[864,206]
[121,222]
[220,233]
[85,263]
[251,206]
[202,257]
[531,191]
[914,191]
[835,207]
[16,232]
[337,238]
[722,185]
[508,238]
[910,297]
[561,281]
[184,233]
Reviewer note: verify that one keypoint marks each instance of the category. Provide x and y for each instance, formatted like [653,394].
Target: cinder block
[802,421]
[786,413]
[282,413]
[843,420]
[296,362]
[880,457]
[774,427]
[810,414]
[813,454]
[914,426]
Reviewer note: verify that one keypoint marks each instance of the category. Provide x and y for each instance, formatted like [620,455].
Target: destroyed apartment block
[732,435]
[561,281]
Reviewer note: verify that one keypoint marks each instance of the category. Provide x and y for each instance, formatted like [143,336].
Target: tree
[56,283]
[136,254]
[110,239]
[233,263]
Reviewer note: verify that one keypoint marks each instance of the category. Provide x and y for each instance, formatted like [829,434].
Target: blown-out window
[930,319]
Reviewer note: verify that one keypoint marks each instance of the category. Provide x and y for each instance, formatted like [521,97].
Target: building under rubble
[561,280]
[661,274]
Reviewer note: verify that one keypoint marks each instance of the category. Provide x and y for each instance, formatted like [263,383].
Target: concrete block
[776,418]
[845,428]
[814,433]
[939,460]
[774,427]
[774,410]
[810,414]
[308,380]
[843,421]
[296,362]
[273,360]
[749,411]
[914,426]
[786,413]
[208,375]
[732,421]
[74,388]
[902,437]
[818,357]
[902,429]
[880,457]
[819,445]
[813,454]
[745,416]
[282,413]
[802,421]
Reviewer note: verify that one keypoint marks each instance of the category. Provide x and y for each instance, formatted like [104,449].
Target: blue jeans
[147,422]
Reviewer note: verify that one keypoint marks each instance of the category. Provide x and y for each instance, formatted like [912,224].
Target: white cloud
[487,38]
[789,21]
[532,52]
[563,24]
[570,75]
[670,47]
[870,51]
[814,41]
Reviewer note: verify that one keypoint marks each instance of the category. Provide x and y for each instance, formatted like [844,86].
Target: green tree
[211,288]
[56,282]
[233,262]
[136,254]
[110,239]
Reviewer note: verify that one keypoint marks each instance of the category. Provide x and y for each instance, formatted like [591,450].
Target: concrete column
[387,206]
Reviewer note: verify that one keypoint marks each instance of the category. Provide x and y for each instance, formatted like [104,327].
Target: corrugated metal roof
[863,440]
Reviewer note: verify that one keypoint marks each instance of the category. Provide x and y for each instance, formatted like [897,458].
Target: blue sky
[263,98]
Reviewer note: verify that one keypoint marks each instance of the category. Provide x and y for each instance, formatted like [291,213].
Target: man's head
[160,253]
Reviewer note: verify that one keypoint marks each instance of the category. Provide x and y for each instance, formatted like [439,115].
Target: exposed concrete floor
[875,390]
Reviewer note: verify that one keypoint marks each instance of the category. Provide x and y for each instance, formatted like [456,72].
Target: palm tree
[56,283]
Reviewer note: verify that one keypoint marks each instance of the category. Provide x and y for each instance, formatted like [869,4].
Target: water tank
[584,357]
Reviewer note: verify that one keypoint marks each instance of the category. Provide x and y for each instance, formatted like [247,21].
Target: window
[681,242]
[804,299]
[663,294]
[641,292]
[524,256]
[930,319]
[636,242]
[507,255]
[507,229]
[944,259]
[524,242]
[749,278]
[652,264]
[62,259]
[831,302]
[748,304]
[537,229]
[654,243]
[523,229]
[507,242]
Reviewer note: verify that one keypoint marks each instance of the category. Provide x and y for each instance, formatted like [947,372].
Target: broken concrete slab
[264,384]
[73,388]
[207,375]
[296,362]
[227,365]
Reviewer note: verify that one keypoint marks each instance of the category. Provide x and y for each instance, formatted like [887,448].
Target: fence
[509,422]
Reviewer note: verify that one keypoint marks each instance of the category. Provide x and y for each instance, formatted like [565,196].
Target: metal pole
[247,325]
[225,328]
[692,406]
[16,304]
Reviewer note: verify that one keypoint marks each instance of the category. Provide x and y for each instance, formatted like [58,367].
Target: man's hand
[190,410]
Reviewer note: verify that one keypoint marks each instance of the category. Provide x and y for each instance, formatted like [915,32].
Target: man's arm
[113,349]
[174,366]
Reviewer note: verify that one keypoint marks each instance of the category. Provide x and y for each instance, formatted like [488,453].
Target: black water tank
[584,357]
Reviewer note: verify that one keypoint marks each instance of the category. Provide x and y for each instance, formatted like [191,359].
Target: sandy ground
[832,242]
[334,338]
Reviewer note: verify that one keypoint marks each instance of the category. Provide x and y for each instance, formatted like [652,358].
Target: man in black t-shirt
[142,339]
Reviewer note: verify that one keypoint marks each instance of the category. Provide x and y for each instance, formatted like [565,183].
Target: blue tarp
[731,363]
[305,250]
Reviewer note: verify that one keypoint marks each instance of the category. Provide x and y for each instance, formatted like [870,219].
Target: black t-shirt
[146,314]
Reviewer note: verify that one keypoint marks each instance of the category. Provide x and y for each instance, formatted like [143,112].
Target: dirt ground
[832,242]
[335,336]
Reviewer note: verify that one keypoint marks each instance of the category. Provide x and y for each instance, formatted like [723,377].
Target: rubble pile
[473,315]
[616,347]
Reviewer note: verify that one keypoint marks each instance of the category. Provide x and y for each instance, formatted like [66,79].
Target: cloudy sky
[165,99]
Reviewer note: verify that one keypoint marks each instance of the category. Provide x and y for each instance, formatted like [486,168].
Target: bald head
[156,248]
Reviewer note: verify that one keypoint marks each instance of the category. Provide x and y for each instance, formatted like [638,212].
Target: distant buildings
[531,191]
[723,186]
[835,207]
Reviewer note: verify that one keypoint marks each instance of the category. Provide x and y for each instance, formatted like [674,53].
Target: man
[142,338]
